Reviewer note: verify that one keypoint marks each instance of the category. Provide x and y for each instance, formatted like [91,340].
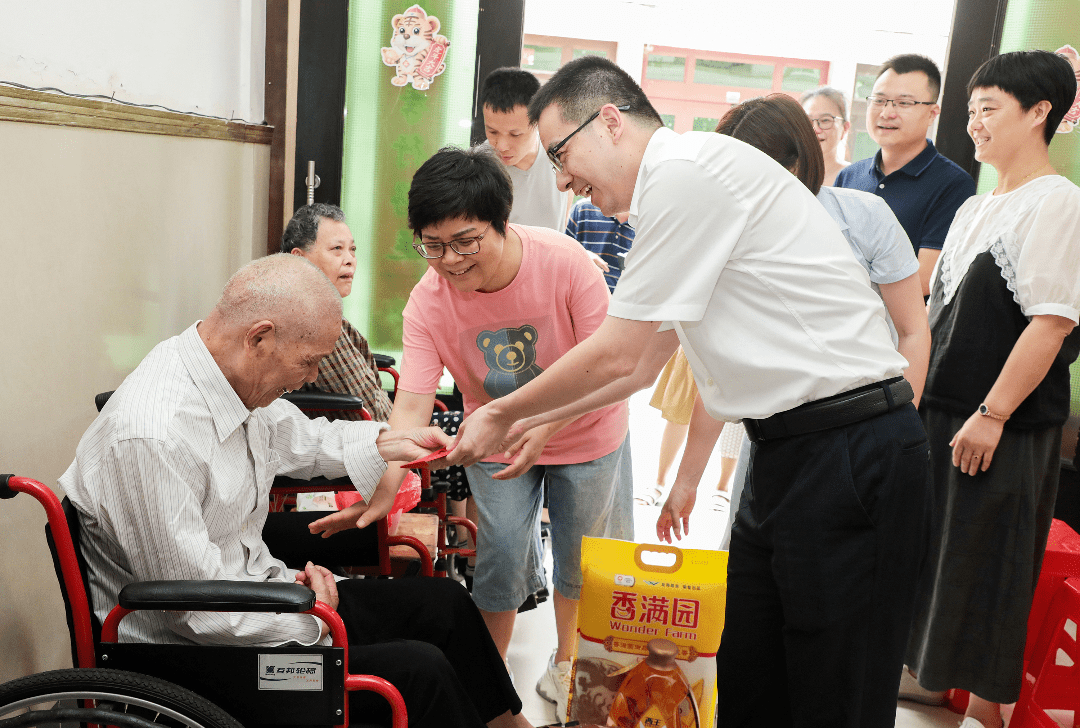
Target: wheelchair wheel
[123,699]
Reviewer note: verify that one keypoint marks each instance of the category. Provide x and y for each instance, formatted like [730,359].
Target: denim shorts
[584,499]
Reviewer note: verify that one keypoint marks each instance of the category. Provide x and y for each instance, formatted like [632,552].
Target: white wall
[844,32]
[113,241]
[202,56]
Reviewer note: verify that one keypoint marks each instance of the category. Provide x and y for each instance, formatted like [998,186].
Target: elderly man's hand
[404,446]
[321,581]
[481,434]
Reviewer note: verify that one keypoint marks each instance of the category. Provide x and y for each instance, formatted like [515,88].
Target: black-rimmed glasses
[553,153]
[825,121]
[880,102]
[461,246]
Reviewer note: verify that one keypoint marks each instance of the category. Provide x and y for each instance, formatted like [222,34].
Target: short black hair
[778,126]
[461,183]
[585,84]
[507,87]
[304,226]
[911,62]
[1031,77]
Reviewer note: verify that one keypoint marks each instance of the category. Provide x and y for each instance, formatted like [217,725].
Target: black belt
[842,409]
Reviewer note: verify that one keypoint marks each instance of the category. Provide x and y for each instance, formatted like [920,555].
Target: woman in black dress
[1005,300]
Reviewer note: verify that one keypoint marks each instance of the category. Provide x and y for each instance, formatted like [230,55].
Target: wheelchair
[433,490]
[147,685]
[105,697]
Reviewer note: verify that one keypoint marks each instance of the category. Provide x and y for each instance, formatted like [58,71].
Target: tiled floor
[534,634]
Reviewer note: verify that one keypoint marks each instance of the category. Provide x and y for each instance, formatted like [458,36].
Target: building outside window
[692,89]
[546,54]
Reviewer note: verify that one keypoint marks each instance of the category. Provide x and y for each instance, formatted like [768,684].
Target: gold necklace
[1021,183]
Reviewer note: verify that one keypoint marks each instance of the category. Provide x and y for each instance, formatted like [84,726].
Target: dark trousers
[826,551]
[428,639]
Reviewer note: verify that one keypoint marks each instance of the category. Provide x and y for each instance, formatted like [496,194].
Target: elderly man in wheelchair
[171,482]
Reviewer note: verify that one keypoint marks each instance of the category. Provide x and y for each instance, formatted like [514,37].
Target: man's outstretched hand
[480,435]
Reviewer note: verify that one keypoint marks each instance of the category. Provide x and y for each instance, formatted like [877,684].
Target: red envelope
[422,462]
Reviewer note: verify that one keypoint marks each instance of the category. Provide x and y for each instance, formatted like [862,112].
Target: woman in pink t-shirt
[498,305]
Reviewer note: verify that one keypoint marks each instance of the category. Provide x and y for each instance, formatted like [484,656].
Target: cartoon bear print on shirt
[510,355]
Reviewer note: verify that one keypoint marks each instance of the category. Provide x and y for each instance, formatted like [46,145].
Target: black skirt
[988,534]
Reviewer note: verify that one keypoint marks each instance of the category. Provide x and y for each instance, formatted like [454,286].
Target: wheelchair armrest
[314,399]
[384,360]
[217,596]
[5,490]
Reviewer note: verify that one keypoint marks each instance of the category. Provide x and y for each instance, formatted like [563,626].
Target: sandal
[720,500]
[651,496]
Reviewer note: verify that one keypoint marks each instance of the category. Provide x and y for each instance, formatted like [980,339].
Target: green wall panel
[1042,25]
[389,132]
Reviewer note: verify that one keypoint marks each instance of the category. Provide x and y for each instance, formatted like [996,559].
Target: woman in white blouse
[1005,298]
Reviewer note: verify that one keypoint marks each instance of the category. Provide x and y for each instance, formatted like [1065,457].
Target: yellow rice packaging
[649,625]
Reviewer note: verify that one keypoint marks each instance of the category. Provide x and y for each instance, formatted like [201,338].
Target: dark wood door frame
[320,98]
[499,33]
[274,103]
[976,37]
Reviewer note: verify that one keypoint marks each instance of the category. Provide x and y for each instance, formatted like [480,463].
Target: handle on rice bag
[661,549]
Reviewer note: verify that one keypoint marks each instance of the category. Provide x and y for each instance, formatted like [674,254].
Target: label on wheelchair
[290,672]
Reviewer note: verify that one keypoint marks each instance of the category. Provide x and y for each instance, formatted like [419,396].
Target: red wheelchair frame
[82,633]
[433,497]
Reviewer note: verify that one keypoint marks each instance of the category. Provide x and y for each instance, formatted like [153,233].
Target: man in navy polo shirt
[923,188]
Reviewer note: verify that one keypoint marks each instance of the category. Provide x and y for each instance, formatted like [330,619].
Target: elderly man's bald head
[285,289]
[276,320]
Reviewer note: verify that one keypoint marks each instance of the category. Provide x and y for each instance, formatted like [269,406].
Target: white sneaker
[554,686]
[970,722]
[910,689]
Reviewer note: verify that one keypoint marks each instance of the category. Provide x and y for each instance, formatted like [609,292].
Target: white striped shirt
[172,480]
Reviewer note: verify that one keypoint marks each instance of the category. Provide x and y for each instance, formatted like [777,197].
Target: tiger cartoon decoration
[416,50]
[1072,117]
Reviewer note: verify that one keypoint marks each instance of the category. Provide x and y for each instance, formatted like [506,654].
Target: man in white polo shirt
[736,260]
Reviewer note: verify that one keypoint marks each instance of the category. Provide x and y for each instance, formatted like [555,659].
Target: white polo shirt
[733,251]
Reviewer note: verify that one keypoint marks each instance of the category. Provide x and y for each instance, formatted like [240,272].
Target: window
[801,79]
[666,68]
[543,55]
[729,73]
[541,58]
[692,88]
[860,145]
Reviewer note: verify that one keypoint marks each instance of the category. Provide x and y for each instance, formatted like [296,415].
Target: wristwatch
[985,412]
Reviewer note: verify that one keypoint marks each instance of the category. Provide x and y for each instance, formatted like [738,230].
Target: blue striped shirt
[603,235]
